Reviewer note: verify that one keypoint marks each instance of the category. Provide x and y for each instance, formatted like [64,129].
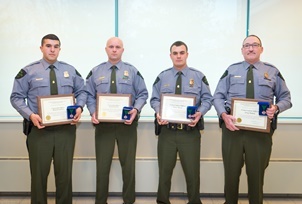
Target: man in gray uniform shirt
[127,80]
[175,138]
[245,146]
[52,142]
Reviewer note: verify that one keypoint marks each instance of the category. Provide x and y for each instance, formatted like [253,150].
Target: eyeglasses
[254,45]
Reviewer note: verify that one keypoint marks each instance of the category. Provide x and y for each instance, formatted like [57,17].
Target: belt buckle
[179,126]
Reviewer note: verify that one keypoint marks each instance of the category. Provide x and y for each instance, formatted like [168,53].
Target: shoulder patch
[156,81]
[89,75]
[139,74]
[280,75]
[21,74]
[78,73]
[224,74]
[204,79]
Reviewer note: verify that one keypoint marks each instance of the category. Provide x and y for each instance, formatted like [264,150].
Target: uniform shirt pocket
[126,86]
[191,91]
[266,88]
[40,87]
[66,86]
[237,85]
[102,86]
[167,90]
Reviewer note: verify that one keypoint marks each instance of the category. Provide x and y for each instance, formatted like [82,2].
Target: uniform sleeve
[155,98]
[282,93]
[141,92]
[220,94]
[80,90]
[19,94]
[206,97]
[91,93]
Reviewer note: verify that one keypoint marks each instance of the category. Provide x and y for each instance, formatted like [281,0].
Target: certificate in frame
[173,107]
[246,112]
[53,109]
[109,107]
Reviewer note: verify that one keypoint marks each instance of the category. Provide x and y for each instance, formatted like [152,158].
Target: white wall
[213,30]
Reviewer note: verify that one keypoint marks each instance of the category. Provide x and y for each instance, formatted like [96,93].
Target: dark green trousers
[252,149]
[187,145]
[106,136]
[55,144]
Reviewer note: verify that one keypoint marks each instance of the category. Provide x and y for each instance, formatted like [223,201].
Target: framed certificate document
[53,109]
[250,114]
[109,107]
[173,107]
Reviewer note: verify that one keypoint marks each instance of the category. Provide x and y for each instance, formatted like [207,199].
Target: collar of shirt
[118,65]
[46,64]
[184,71]
[246,65]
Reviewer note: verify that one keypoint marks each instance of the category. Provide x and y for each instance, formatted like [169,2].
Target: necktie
[53,81]
[250,83]
[178,84]
[113,80]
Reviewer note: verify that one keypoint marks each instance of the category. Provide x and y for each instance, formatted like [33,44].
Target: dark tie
[250,82]
[178,84]
[53,81]
[113,80]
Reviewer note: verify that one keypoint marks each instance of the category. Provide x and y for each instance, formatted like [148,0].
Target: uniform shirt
[128,81]
[268,85]
[33,81]
[194,83]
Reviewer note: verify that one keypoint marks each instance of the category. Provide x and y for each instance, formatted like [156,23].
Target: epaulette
[89,75]
[166,70]
[21,74]
[204,79]
[78,73]
[236,63]
[127,63]
[156,80]
[224,74]
[34,63]
[63,62]
[268,64]
[139,74]
[193,69]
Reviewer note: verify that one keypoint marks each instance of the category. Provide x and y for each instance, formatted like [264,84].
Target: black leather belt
[177,126]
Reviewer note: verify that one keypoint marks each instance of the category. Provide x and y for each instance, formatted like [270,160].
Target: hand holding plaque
[110,107]
[251,114]
[176,108]
[52,109]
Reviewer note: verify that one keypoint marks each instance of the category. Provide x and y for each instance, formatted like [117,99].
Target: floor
[146,200]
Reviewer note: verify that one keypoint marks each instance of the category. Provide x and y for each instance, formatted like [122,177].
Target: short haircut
[177,44]
[50,37]
[255,37]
